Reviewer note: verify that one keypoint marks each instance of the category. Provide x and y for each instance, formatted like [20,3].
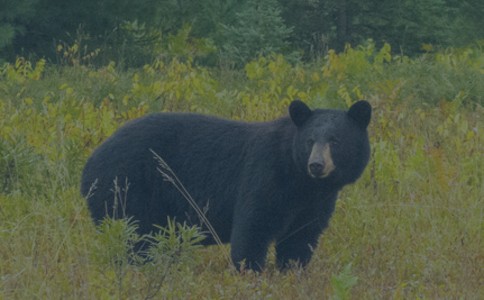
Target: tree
[258,30]
[13,18]
[467,21]
[312,26]
[406,25]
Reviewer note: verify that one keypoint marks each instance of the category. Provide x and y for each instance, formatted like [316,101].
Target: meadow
[411,228]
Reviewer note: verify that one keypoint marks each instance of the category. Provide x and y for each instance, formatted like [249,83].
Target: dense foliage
[410,228]
[230,31]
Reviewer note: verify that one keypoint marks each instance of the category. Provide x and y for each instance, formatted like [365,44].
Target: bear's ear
[361,113]
[299,112]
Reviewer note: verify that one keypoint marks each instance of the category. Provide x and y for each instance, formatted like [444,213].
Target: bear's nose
[316,169]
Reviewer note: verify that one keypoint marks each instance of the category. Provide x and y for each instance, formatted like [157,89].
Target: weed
[410,228]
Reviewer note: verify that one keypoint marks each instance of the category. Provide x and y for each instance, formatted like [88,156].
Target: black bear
[258,183]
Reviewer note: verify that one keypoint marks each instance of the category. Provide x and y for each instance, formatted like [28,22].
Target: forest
[72,72]
[230,32]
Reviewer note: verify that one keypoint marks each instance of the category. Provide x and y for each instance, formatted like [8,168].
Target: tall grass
[411,227]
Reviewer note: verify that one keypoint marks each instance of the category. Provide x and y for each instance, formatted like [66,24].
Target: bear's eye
[333,141]
[310,142]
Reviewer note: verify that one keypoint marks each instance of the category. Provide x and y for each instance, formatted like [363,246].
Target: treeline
[228,32]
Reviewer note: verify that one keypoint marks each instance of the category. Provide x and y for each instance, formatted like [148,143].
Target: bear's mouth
[318,173]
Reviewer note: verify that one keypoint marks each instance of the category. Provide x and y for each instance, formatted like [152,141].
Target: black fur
[251,178]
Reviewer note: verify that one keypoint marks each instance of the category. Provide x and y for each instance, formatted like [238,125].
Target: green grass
[411,227]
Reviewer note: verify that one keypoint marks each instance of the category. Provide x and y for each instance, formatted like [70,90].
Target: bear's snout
[320,163]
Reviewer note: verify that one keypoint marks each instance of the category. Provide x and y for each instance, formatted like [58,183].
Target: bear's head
[331,144]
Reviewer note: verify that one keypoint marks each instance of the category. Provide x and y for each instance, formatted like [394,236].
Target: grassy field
[411,228]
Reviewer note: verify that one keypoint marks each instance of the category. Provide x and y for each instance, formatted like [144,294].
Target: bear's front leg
[301,238]
[250,240]
[297,247]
